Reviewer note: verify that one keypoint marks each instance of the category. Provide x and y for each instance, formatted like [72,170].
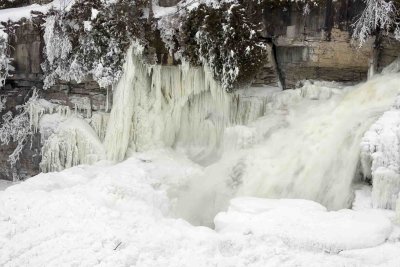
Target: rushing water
[307,146]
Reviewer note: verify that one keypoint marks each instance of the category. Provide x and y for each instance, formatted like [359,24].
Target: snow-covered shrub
[225,39]
[58,49]
[381,16]
[91,40]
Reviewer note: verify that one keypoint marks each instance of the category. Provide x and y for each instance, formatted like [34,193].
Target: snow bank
[118,215]
[102,215]
[16,14]
[304,224]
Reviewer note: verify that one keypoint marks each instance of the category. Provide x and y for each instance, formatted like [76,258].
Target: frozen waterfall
[307,146]
[303,143]
[180,107]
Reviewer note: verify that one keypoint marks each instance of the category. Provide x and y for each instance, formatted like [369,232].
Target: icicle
[107,100]
[99,121]
[119,126]
[175,106]
[82,105]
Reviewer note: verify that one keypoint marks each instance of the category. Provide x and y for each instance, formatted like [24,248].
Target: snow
[305,224]
[160,11]
[378,14]
[262,142]
[16,14]
[4,184]
[119,215]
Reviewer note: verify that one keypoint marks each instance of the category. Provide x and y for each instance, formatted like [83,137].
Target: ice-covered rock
[380,158]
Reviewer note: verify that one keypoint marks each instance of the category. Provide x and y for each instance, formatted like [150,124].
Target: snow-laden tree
[379,16]
[225,39]
[90,39]
[16,128]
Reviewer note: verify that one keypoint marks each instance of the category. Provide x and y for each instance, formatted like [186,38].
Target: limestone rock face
[334,60]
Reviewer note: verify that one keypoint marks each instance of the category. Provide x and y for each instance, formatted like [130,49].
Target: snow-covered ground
[15,14]
[119,215]
[4,184]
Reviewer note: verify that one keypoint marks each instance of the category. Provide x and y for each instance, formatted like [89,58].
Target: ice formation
[82,105]
[302,143]
[41,107]
[74,142]
[99,121]
[180,107]
[68,139]
[380,153]
[380,159]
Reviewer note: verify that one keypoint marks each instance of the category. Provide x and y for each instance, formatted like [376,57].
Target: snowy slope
[15,14]
[118,215]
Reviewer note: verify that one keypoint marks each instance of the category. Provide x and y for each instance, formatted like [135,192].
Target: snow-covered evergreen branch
[90,40]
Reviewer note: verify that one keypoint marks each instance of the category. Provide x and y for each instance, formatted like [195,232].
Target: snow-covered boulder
[304,224]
